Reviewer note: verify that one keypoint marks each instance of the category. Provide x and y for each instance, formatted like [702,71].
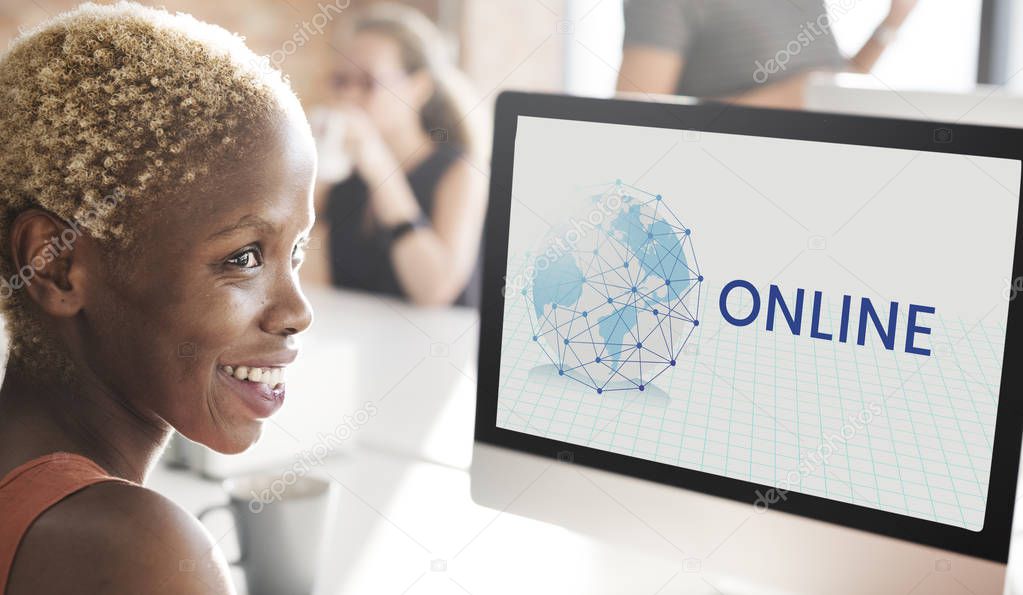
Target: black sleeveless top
[361,261]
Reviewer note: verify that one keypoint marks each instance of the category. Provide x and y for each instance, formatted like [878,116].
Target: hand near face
[366,146]
[328,127]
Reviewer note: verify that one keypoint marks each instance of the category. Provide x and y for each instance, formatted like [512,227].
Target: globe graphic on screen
[614,295]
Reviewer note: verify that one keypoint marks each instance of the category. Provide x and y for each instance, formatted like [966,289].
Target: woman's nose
[289,312]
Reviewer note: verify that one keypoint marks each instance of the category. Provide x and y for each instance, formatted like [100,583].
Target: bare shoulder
[117,538]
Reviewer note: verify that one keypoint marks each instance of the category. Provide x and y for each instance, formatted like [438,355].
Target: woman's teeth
[268,376]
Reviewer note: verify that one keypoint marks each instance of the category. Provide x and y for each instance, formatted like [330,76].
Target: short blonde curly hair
[104,110]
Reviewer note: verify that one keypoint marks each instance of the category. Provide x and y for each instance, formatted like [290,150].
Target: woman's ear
[43,249]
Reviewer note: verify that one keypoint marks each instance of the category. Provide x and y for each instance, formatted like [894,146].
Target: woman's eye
[298,253]
[246,259]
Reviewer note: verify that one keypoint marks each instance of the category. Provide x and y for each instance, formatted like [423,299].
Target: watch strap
[398,231]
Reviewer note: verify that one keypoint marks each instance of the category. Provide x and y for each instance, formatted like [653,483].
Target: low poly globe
[614,297]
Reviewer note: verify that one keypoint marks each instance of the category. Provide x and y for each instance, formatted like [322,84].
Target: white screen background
[885,429]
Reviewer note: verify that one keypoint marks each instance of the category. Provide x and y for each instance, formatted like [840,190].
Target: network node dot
[589,273]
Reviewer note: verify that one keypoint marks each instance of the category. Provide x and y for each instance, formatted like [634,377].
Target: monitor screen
[812,317]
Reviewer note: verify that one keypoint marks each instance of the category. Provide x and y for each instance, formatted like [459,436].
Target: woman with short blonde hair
[155,194]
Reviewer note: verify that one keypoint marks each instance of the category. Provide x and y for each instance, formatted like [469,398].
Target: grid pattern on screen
[860,424]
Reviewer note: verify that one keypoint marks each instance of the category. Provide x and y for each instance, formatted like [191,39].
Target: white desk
[410,527]
[406,522]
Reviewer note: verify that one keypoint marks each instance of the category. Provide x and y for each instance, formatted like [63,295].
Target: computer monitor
[776,346]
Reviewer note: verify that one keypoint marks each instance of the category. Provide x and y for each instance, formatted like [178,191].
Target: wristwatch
[403,228]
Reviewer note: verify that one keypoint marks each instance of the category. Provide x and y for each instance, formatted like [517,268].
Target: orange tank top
[33,487]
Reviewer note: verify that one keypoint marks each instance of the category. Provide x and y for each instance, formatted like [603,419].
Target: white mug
[280,527]
[328,126]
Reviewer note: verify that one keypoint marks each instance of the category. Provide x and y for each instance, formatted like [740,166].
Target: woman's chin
[235,440]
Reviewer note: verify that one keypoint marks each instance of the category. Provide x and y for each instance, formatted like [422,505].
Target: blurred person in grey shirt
[756,52]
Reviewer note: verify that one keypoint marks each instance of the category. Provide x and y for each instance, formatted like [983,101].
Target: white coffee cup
[280,522]
[328,125]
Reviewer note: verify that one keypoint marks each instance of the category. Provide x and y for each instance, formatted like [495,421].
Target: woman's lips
[261,397]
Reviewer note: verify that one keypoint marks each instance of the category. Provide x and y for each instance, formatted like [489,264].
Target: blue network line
[631,322]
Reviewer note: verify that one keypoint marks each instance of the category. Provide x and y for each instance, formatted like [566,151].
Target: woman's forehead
[272,182]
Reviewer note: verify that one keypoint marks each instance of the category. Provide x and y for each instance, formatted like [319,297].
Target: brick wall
[503,43]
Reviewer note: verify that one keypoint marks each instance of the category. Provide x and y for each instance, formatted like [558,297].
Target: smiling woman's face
[213,287]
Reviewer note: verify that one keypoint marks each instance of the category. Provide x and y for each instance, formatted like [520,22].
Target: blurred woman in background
[407,220]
